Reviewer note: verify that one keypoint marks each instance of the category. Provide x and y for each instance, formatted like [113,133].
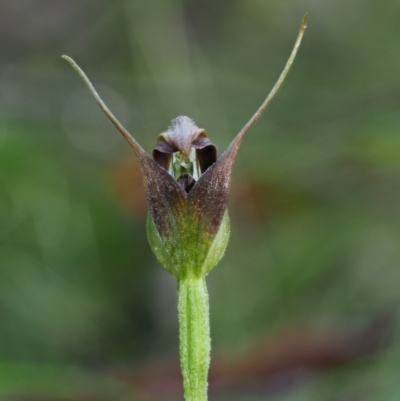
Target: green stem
[194,335]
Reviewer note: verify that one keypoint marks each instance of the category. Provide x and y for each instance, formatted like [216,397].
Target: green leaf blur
[85,310]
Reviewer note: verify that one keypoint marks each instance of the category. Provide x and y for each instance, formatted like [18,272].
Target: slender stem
[194,334]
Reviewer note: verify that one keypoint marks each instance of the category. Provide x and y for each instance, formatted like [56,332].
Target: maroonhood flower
[187,187]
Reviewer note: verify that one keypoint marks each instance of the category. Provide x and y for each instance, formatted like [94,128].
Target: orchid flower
[187,190]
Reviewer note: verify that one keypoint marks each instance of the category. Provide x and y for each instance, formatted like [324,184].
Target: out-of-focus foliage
[84,307]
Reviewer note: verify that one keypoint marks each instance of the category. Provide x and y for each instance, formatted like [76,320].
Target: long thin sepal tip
[304,21]
[278,83]
[136,147]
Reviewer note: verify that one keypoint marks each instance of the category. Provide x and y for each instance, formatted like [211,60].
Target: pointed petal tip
[140,153]
[304,22]
[236,142]
[70,61]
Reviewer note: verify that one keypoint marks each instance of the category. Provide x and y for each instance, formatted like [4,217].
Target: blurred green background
[304,305]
